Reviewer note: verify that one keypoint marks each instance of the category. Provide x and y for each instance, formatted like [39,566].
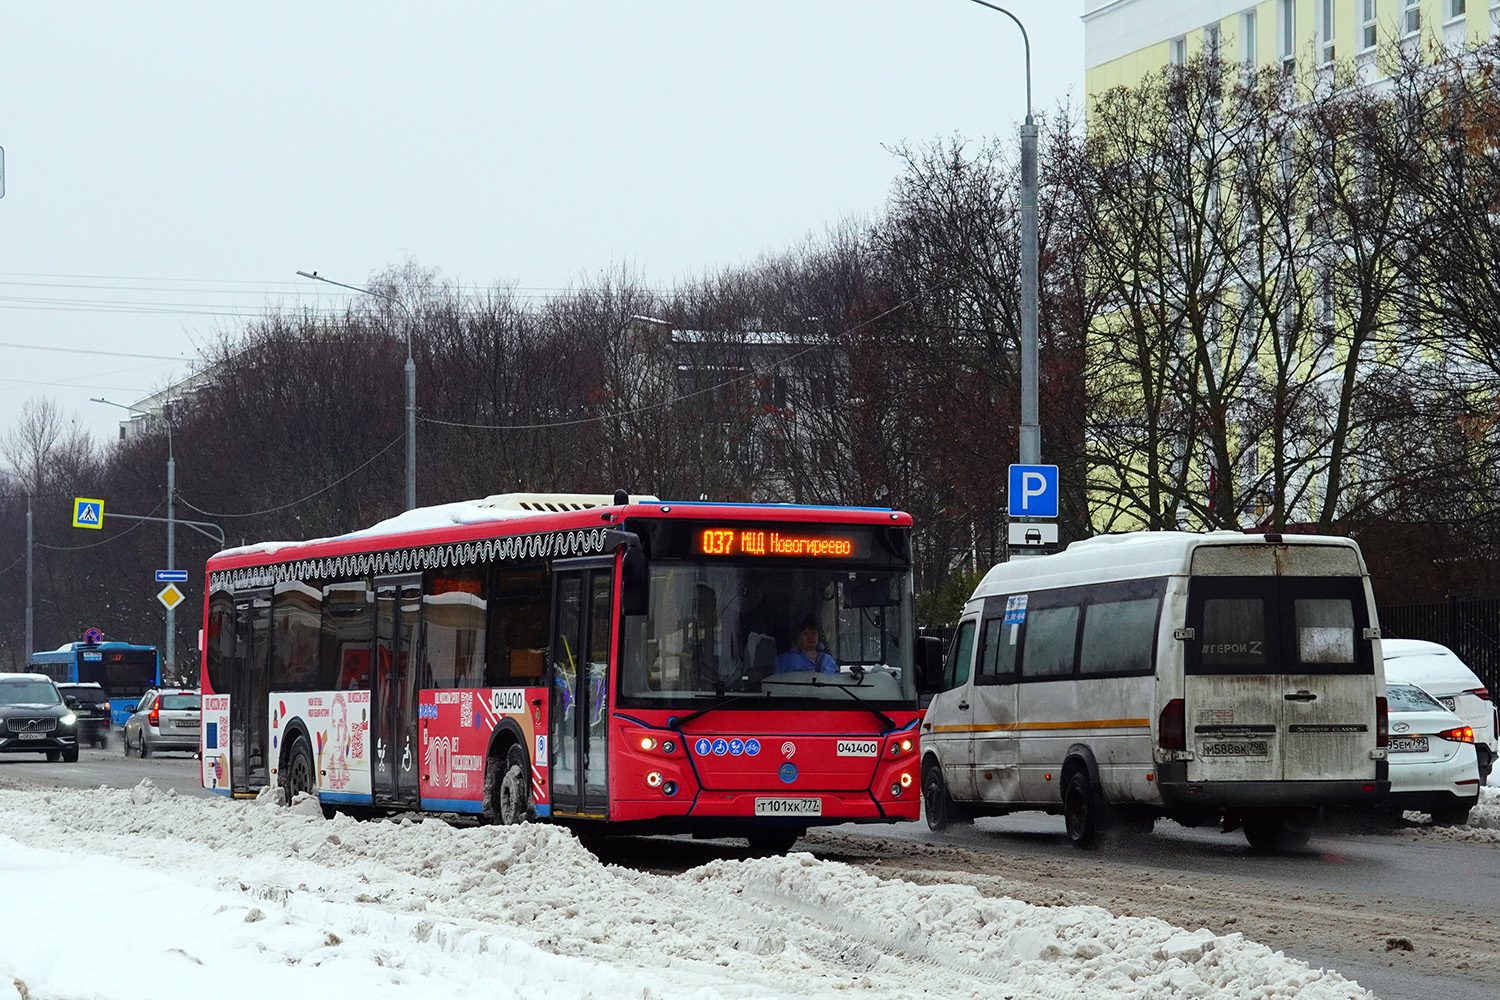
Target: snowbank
[247,899]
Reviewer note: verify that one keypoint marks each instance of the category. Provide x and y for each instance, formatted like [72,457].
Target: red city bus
[621,663]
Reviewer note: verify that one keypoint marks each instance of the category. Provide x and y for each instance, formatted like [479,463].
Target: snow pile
[1483,826]
[248,899]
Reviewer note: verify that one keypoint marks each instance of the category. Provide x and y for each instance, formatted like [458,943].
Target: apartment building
[1124,40]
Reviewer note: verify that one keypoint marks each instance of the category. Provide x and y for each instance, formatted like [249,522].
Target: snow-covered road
[241,899]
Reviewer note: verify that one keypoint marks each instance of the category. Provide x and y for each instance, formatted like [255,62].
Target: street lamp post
[1031,429]
[169,656]
[411,382]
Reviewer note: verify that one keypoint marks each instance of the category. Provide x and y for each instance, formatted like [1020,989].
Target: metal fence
[1469,628]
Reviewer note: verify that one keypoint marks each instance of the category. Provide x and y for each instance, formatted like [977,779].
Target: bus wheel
[510,790]
[936,802]
[1080,810]
[299,776]
[774,839]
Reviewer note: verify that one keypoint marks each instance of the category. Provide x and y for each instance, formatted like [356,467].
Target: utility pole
[30,612]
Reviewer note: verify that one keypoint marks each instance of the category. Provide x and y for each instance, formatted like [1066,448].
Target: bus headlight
[895,789]
[648,743]
[905,779]
[653,779]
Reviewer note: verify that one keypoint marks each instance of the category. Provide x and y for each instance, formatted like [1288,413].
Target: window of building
[1249,50]
[1369,11]
[1411,18]
[1288,24]
[1325,31]
[1456,8]
[1211,42]
[1178,51]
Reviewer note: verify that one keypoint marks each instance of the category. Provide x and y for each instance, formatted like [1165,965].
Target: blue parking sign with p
[1033,491]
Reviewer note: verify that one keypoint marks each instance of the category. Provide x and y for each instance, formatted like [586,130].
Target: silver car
[164,719]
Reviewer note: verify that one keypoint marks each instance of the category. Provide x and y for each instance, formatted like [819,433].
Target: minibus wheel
[1272,832]
[939,806]
[1080,809]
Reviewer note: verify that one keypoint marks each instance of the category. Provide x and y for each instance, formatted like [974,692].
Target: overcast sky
[170,166]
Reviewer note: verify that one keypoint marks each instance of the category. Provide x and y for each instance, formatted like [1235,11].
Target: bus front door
[396,766]
[582,637]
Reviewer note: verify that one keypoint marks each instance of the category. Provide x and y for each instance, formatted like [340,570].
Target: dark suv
[34,719]
[88,700]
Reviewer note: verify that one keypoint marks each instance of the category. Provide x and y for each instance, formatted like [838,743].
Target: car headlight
[68,719]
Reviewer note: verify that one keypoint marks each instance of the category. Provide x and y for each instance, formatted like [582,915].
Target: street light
[1031,429]
[169,657]
[411,382]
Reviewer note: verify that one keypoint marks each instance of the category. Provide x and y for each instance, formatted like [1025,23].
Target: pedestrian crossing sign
[88,513]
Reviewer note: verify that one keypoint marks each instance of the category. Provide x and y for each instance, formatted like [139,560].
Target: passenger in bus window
[808,652]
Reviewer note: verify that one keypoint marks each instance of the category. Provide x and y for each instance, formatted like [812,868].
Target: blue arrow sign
[171,576]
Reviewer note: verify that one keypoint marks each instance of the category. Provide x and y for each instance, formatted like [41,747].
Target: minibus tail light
[1171,730]
[1382,724]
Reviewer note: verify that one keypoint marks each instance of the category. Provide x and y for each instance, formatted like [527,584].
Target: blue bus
[125,671]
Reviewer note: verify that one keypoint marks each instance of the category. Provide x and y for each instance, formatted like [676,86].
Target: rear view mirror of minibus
[929,663]
[870,592]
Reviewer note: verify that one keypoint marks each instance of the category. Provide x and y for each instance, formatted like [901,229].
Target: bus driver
[808,653]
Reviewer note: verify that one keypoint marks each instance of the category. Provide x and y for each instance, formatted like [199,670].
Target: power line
[325,489]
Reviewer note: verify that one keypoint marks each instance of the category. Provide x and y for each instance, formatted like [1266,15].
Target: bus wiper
[888,722]
[677,724]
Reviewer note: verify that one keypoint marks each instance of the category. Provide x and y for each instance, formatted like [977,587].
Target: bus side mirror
[930,663]
[635,581]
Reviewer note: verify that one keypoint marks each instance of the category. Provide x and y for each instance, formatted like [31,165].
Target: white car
[1438,671]
[1431,752]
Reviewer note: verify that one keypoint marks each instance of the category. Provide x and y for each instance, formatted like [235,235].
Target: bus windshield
[771,634]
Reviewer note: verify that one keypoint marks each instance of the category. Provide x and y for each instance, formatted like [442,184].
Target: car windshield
[28,692]
[770,633]
[179,703]
[1410,698]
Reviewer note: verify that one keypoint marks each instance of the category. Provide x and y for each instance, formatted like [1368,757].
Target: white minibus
[1217,677]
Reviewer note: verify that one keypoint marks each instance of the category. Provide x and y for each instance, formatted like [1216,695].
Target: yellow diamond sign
[170,596]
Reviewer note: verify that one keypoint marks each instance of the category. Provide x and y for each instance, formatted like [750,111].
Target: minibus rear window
[1325,631]
[1234,634]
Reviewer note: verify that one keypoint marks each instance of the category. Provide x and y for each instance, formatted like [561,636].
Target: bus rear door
[1279,682]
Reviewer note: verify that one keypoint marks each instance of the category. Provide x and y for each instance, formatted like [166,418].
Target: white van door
[947,726]
[995,756]
[1278,679]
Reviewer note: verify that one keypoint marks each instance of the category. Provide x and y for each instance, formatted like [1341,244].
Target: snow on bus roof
[509,506]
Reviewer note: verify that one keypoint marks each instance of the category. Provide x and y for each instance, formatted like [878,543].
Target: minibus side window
[960,654]
[1050,642]
[1119,637]
[997,661]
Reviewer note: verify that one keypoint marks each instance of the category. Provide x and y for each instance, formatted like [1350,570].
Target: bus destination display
[773,542]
